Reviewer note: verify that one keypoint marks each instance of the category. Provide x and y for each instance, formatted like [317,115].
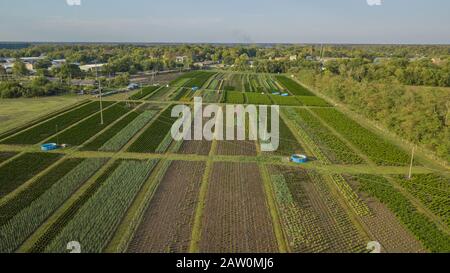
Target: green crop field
[118,182]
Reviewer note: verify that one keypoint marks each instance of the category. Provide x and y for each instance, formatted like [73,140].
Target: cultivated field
[125,185]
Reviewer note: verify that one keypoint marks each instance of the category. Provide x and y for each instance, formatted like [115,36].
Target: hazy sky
[297,21]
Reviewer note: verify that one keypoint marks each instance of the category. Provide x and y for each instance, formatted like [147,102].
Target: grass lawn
[16,112]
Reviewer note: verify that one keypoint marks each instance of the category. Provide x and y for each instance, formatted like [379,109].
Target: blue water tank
[285,95]
[299,159]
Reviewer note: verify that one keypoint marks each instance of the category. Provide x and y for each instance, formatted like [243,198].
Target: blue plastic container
[49,147]
[300,159]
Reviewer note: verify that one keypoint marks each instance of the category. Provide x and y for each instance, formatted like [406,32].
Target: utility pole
[412,161]
[100,93]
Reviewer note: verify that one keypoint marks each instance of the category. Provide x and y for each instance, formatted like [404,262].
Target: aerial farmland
[118,182]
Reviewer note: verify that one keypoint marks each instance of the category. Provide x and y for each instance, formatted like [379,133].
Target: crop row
[24,223]
[50,234]
[312,101]
[144,92]
[23,199]
[41,119]
[18,171]
[433,191]
[81,132]
[44,130]
[422,227]
[150,139]
[4,156]
[293,87]
[312,218]
[376,148]
[333,148]
[119,140]
[96,221]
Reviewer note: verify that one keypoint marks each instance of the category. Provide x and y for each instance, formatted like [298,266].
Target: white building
[91,67]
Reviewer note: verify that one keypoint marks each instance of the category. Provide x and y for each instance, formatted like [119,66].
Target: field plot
[157,137]
[432,190]
[95,222]
[234,82]
[196,147]
[18,171]
[417,223]
[286,101]
[312,218]
[236,148]
[288,144]
[171,210]
[385,228]
[232,97]
[211,96]
[236,218]
[312,101]
[81,132]
[256,98]
[13,112]
[144,92]
[376,148]
[293,87]
[162,94]
[18,228]
[49,235]
[6,155]
[48,128]
[331,146]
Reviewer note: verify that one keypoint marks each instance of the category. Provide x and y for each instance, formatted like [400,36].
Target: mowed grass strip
[144,92]
[23,224]
[42,131]
[96,221]
[36,189]
[295,88]
[56,228]
[18,171]
[150,139]
[81,132]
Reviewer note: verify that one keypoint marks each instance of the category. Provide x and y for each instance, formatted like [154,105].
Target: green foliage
[424,229]
[332,147]
[44,130]
[256,98]
[23,168]
[68,214]
[151,138]
[24,223]
[95,222]
[144,92]
[6,155]
[293,87]
[233,97]
[287,101]
[9,209]
[116,142]
[84,130]
[312,101]
[376,148]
